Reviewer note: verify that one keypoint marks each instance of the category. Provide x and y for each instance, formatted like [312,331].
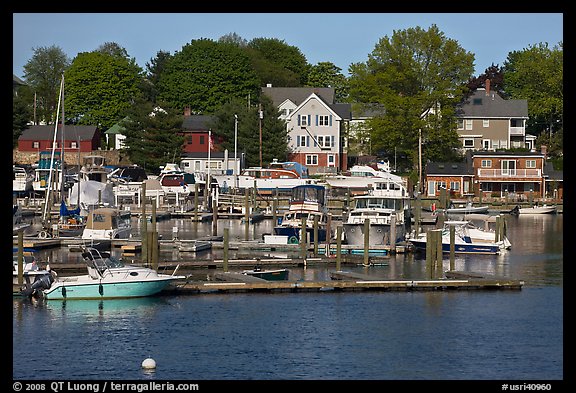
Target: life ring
[43,235]
[293,240]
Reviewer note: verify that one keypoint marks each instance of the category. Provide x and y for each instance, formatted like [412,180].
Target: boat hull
[293,234]
[538,210]
[379,234]
[460,248]
[270,275]
[103,290]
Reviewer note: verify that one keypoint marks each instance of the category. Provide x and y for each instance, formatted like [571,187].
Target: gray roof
[449,168]
[17,81]
[552,173]
[298,94]
[71,132]
[197,122]
[343,110]
[491,105]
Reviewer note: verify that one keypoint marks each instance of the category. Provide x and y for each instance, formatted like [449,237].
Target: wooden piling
[316,236]
[274,211]
[338,247]
[144,226]
[226,242]
[214,217]
[366,241]
[20,258]
[393,234]
[246,214]
[303,237]
[452,246]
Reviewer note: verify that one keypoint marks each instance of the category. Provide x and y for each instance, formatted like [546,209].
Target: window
[331,160]
[530,163]
[469,124]
[189,139]
[323,120]
[485,123]
[455,185]
[460,124]
[301,140]
[477,101]
[323,140]
[486,164]
[36,145]
[431,188]
[74,145]
[468,143]
[311,159]
[201,139]
[440,184]
[486,144]
[303,121]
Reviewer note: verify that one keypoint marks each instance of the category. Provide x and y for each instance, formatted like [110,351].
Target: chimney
[487,87]
[187,111]
[544,150]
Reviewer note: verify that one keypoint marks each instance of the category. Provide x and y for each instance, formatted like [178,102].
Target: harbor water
[480,335]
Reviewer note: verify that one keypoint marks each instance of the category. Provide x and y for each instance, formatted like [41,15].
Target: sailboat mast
[50,178]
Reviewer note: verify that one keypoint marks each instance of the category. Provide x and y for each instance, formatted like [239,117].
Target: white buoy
[149,363]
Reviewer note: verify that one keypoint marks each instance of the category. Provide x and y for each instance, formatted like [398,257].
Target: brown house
[41,138]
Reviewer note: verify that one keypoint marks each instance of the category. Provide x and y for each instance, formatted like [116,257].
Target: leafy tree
[281,54]
[112,49]
[496,76]
[100,87]
[153,134]
[418,76]
[537,74]
[206,74]
[233,38]
[274,134]
[327,74]
[43,73]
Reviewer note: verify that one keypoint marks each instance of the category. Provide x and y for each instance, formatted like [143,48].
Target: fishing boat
[109,278]
[468,239]
[387,207]
[308,203]
[543,209]
[268,274]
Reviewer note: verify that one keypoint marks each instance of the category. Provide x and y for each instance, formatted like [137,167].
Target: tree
[206,74]
[496,76]
[285,56]
[274,134]
[233,38]
[537,75]
[418,76]
[43,73]
[327,74]
[153,134]
[100,87]
[154,70]
[22,111]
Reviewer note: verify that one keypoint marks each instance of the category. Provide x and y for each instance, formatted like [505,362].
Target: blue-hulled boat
[108,278]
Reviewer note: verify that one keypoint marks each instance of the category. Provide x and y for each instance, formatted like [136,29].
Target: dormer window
[477,101]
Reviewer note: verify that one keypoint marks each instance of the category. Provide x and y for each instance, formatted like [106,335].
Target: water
[387,336]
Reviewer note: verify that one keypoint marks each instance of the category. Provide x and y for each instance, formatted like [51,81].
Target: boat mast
[50,179]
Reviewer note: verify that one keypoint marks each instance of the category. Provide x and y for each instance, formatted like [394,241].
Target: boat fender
[293,240]
[100,289]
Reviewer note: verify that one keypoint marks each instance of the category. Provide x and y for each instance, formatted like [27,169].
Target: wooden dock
[350,284]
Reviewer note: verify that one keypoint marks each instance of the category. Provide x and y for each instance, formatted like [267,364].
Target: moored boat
[543,209]
[268,274]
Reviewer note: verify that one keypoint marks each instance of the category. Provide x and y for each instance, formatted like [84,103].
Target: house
[195,129]
[315,126]
[496,174]
[486,121]
[39,138]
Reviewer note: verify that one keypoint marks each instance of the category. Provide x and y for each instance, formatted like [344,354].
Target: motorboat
[543,209]
[268,274]
[467,208]
[106,224]
[386,205]
[361,177]
[109,278]
[308,203]
[281,176]
[33,276]
[22,180]
[468,239]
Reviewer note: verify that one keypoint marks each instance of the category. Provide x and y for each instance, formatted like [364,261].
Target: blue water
[449,335]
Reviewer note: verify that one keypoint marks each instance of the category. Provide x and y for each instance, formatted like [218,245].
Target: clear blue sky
[340,38]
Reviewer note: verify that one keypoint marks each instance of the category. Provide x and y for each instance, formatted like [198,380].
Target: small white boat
[109,278]
[544,209]
[468,208]
[105,224]
[33,276]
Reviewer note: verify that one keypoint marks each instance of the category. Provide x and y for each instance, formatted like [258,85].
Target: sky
[339,38]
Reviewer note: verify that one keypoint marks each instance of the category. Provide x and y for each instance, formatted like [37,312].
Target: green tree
[283,56]
[100,87]
[43,73]
[154,69]
[274,134]
[153,134]
[537,75]
[496,76]
[206,74]
[327,74]
[418,76]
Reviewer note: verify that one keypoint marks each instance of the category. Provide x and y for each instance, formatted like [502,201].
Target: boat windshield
[375,203]
[114,262]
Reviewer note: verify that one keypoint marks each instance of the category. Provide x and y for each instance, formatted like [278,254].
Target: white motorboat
[109,278]
[105,224]
[33,277]
[361,177]
[543,209]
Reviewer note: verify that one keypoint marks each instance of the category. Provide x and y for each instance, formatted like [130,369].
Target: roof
[483,104]
[17,81]
[71,132]
[552,173]
[342,110]
[197,122]
[449,169]
[298,94]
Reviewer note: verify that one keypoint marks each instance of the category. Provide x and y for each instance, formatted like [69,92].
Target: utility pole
[260,115]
